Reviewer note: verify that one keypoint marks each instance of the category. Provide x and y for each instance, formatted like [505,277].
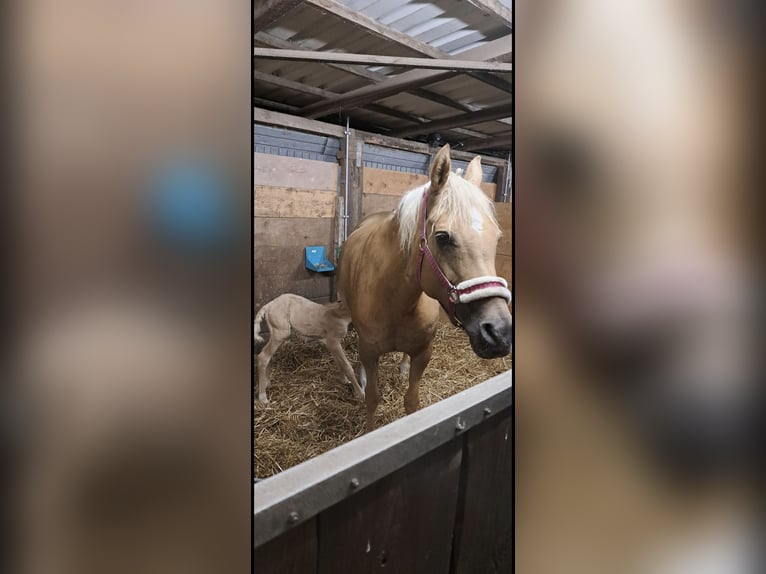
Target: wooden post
[502,192]
[355,179]
[336,245]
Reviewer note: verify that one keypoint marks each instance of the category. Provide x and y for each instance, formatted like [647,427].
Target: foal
[328,323]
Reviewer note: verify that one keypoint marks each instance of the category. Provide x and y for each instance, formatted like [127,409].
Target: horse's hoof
[263,399]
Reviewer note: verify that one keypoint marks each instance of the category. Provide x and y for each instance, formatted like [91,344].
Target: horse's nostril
[489,332]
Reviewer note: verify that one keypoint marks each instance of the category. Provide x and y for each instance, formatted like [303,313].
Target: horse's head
[457,242]
[634,204]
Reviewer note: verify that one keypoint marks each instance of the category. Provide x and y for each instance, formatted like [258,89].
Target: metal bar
[375,60]
[286,500]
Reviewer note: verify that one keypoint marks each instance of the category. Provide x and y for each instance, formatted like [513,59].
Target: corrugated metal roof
[450,26]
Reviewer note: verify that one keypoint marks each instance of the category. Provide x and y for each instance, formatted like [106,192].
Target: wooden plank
[376,60]
[390,34]
[291,202]
[362,72]
[292,231]
[375,28]
[386,182]
[280,171]
[463,119]
[375,203]
[294,552]
[488,188]
[483,529]
[271,118]
[504,214]
[419,147]
[316,287]
[402,523]
[504,267]
[396,183]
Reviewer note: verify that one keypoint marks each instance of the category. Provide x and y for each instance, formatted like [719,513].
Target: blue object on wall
[316,260]
[189,206]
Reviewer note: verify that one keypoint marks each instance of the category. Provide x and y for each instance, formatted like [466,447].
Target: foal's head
[457,255]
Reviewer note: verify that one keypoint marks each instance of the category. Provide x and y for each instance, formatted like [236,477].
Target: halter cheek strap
[465,291]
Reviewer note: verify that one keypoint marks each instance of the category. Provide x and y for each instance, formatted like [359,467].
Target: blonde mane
[456,201]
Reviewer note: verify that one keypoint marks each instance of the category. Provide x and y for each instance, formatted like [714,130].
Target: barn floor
[311,412]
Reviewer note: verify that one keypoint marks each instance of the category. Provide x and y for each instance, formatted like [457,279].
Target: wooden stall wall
[504,263]
[294,208]
[384,188]
[447,512]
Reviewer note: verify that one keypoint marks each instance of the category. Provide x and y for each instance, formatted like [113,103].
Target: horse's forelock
[456,202]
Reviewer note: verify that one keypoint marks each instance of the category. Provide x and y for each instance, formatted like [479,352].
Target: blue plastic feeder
[317,261]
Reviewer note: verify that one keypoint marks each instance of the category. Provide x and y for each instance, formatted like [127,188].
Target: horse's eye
[444,239]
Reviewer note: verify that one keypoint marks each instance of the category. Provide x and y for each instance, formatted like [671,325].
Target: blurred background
[639,393]
[128,414]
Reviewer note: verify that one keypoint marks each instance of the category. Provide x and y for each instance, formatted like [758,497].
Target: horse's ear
[473,172]
[440,168]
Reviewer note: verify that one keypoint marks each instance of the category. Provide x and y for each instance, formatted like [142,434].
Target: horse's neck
[404,269]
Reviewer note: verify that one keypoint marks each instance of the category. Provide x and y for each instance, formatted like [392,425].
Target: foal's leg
[370,360]
[404,366]
[264,358]
[418,364]
[347,371]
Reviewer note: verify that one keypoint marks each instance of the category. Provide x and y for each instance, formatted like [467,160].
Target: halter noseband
[465,291]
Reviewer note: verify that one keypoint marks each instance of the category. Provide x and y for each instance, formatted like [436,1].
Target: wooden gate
[429,493]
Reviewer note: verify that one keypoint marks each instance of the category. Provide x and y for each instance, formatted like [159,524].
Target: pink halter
[465,291]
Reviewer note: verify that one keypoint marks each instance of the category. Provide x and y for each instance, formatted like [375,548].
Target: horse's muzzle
[490,328]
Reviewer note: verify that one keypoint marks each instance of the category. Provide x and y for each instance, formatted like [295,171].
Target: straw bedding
[311,412]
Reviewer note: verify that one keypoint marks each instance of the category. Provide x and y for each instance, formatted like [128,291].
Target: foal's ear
[440,168]
[473,171]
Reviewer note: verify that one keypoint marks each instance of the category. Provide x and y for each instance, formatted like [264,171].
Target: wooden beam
[375,28]
[297,123]
[456,121]
[402,82]
[496,10]
[493,81]
[362,72]
[262,102]
[267,12]
[393,35]
[291,85]
[498,141]
[367,94]
[375,60]
[308,89]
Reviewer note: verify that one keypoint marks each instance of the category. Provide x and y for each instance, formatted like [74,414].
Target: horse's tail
[257,324]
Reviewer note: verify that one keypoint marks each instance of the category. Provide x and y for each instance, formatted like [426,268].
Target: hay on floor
[311,411]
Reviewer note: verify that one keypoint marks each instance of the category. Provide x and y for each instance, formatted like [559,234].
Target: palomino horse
[437,248]
[636,403]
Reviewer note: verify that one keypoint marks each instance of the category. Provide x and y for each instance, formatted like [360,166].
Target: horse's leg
[370,360]
[418,364]
[264,358]
[347,371]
